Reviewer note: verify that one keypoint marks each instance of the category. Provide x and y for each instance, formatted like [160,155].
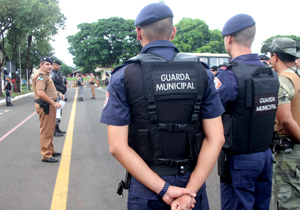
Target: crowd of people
[169,137]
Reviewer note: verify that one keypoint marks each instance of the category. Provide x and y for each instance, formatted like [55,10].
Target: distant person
[214,70]
[298,63]
[286,175]
[60,87]
[248,90]
[65,81]
[7,89]
[92,84]
[80,87]
[107,79]
[265,60]
[45,105]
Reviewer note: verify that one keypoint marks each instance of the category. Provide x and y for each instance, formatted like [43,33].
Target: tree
[8,14]
[31,26]
[193,35]
[296,38]
[103,43]
[65,69]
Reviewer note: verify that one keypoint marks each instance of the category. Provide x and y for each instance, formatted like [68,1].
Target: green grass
[18,93]
[75,78]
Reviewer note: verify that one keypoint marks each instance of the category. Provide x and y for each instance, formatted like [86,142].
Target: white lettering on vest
[266,107]
[173,85]
[266,100]
[174,77]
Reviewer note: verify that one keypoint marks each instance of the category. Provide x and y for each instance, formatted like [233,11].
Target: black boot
[60,131]
[10,104]
[57,133]
[7,103]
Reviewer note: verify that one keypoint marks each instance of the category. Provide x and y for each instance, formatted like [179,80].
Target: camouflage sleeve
[286,89]
[52,75]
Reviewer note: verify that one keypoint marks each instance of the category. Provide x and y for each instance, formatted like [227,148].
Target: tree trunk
[27,58]
[1,94]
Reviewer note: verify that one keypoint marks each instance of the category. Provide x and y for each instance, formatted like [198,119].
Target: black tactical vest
[58,81]
[249,121]
[165,99]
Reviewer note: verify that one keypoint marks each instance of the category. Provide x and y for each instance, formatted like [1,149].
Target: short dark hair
[285,57]
[161,29]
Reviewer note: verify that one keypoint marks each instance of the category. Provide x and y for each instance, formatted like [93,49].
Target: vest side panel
[295,103]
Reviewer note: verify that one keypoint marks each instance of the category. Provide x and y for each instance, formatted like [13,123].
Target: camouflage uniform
[286,172]
[80,87]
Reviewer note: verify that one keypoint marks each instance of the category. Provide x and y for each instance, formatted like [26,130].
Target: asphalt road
[26,183]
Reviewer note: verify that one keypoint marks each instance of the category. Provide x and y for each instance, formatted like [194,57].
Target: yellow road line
[60,195]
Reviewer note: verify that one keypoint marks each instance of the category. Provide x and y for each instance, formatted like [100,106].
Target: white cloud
[272,17]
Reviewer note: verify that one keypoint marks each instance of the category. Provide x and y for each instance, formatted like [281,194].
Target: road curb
[3,101]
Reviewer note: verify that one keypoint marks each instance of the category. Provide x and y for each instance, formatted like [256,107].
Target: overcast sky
[272,17]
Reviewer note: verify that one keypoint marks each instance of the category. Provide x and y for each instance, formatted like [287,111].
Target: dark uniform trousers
[47,127]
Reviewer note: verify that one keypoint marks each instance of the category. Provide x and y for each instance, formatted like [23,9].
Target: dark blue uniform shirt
[229,89]
[117,112]
[237,195]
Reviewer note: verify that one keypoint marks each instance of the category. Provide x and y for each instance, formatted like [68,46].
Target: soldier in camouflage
[286,174]
[80,87]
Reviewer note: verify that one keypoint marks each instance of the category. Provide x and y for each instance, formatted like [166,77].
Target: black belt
[38,101]
[165,170]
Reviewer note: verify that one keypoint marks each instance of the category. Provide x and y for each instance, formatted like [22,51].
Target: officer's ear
[173,33]
[138,33]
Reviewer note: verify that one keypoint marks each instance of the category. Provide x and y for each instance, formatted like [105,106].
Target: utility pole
[20,69]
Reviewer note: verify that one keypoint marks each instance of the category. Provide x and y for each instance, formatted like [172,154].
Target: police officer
[248,91]
[45,105]
[80,87]
[65,81]
[60,87]
[286,176]
[92,84]
[265,59]
[214,70]
[164,100]
[7,89]
[107,78]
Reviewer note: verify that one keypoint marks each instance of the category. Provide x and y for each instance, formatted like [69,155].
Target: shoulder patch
[106,99]
[217,83]
[41,78]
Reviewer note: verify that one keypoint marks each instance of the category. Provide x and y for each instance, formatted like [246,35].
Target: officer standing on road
[45,105]
[65,81]
[7,89]
[92,84]
[60,87]
[80,87]
[248,91]
[286,175]
[164,100]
